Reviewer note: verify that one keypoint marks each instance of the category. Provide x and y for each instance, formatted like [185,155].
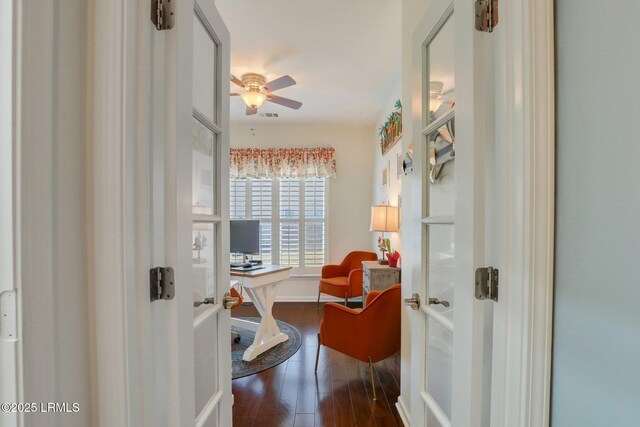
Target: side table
[377,277]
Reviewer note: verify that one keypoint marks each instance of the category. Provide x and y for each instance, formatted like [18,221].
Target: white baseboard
[402,410]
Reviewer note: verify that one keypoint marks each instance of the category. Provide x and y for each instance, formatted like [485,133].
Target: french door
[209,225]
[450,328]
[190,383]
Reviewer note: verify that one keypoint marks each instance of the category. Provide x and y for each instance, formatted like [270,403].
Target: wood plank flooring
[290,394]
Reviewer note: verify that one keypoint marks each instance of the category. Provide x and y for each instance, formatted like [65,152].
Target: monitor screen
[245,236]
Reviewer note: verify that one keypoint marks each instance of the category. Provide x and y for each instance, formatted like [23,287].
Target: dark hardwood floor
[290,394]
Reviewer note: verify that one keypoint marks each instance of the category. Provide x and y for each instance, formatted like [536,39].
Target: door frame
[10,350]
[522,345]
[115,131]
[125,357]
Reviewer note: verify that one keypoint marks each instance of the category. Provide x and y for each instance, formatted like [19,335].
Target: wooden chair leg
[317,354]
[373,384]
[318,303]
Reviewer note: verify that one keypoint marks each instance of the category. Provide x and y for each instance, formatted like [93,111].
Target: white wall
[349,193]
[596,348]
[390,193]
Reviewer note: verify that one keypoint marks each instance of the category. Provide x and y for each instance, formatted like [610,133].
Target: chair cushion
[336,286]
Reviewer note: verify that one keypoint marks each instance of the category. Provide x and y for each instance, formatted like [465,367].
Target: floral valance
[283,162]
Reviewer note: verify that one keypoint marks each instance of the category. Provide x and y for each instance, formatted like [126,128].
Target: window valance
[283,162]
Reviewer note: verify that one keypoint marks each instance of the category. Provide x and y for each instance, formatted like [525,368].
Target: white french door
[187,379]
[450,329]
[209,231]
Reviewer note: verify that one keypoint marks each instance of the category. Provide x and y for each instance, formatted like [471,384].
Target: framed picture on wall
[385,177]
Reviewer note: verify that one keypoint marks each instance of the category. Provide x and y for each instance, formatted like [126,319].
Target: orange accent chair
[235,294]
[370,334]
[344,280]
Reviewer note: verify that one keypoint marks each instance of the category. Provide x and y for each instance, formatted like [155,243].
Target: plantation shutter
[314,224]
[290,222]
[238,199]
[262,209]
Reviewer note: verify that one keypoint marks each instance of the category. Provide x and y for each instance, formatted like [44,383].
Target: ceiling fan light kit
[253,99]
[257,91]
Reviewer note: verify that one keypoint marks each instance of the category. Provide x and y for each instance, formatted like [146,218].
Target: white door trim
[10,347]
[522,356]
[111,274]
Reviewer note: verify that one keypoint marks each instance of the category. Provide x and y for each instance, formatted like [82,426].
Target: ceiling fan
[257,91]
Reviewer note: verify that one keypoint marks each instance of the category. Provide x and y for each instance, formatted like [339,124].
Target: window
[292,214]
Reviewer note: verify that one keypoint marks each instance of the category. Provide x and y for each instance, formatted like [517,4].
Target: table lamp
[384,218]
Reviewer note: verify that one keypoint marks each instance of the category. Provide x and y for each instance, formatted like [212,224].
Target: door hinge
[8,316]
[487,283]
[161,283]
[162,14]
[486,15]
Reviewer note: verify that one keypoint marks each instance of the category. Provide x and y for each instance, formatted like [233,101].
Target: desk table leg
[268,334]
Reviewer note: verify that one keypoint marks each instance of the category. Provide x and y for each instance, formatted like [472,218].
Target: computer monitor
[245,236]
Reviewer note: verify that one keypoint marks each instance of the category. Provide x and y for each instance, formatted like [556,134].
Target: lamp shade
[384,218]
[253,98]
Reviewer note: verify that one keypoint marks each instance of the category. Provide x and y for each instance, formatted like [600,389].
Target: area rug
[269,358]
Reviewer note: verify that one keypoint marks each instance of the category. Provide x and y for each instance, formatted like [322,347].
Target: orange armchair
[370,334]
[345,279]
[235,294]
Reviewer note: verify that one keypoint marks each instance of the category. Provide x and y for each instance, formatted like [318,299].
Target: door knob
[229,301]
[437,301]
[204,301]
[413,302]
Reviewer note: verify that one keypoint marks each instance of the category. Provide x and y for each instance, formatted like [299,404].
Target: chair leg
[373,384]
[317,353]
[346,300]
[318,303]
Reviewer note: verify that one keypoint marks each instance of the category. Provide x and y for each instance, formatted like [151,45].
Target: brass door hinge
[486,15]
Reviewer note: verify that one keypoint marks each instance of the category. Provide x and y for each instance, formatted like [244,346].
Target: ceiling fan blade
[284,101]
[281,83]
[236,80]
[234,94]
[251,111]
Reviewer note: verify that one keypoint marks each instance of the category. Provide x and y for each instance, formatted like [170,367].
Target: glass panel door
[438,135]
[206,221]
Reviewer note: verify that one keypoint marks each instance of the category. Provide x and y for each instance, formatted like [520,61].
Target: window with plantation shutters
[292,214]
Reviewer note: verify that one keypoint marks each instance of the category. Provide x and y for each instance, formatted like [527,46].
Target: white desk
[261,287]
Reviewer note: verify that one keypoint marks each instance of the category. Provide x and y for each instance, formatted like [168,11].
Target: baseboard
[301,298]
[402,410]
[306,298]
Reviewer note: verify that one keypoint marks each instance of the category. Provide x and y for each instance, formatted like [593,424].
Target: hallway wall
[597,321]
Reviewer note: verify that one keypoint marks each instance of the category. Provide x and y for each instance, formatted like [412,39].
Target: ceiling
[344,55]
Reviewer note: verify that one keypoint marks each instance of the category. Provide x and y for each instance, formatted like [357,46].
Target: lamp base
[383,262]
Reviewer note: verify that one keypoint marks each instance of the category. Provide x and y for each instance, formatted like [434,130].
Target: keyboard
[240,264]
[245,264]
[249,268]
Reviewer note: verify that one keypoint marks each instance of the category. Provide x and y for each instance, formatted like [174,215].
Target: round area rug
[269,358]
